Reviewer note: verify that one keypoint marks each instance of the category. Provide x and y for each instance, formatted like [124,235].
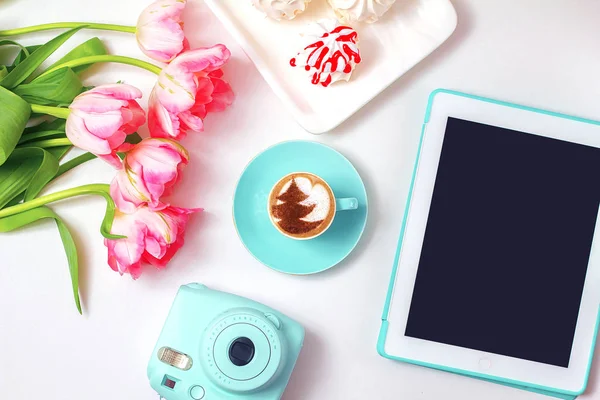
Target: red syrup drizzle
[321,62]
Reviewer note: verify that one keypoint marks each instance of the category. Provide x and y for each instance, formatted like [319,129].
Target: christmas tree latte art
[301,205]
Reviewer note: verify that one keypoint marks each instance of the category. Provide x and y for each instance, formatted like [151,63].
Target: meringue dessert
[360,10]
[331,52]
[281,9]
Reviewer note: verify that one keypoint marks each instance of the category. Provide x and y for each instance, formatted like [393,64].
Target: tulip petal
[176,218]
[159,32]
[222,96]
[133,117]
[112,159]
[149,169]
[103,125]
[191,121]
[161,40]
[203,59]
[217,73]
[161,261]
[161,10]
[106,98]
[118,91]
[176,89]
[188,88]
[154,248]
[125,192]
[79,135]
[161,123]
[204,91]
[153,236]
[124,255]
[97,103]
[101,119]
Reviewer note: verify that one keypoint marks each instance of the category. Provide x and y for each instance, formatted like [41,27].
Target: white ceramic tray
[408,33]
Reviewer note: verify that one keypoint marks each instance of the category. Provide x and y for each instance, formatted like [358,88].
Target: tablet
[497,273]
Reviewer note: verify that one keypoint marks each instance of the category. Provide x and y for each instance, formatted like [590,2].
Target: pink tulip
[149,170]
[187,89]
[101,119]
[159,30]
[153,237]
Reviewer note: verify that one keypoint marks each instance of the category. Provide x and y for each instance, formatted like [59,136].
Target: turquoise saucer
[264,241]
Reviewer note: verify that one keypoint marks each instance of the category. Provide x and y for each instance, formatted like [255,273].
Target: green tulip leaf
[57,124]
[93,47]
[15,176]
[23,54]
[13,117]
[69,165]
[57,88]
[27,171]
[10,223]
[22,49]
[44,174]
[51,134]
[28,66]
[7,42]
[59,152]
[16,200]
[3,71]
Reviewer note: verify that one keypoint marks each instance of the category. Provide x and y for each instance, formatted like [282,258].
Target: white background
[542,53]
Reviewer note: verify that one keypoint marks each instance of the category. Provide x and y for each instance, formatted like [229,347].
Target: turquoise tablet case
[554,392]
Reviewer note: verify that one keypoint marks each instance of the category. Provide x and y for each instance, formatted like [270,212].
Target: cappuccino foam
[318,196]
[302,205]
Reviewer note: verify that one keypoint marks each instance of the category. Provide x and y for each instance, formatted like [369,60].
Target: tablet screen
[507,243]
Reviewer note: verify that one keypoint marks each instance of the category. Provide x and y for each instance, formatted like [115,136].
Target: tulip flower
[101,118]
[149,170]
[159,30]
[187,89]
[152,236]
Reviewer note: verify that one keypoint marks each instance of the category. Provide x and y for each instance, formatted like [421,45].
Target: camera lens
[241,351]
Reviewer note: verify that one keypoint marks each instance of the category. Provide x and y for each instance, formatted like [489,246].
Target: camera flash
[174,358]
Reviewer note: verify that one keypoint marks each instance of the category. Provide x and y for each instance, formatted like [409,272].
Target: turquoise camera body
[218,346]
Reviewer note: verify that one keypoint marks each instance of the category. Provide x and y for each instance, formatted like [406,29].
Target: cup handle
[349,203]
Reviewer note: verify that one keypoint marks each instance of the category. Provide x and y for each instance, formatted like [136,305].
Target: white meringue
[331,52]
[281,9]
[360,10]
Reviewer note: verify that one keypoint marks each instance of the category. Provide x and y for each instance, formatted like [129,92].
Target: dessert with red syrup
[331,52]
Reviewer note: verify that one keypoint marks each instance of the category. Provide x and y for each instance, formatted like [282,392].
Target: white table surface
[536,52]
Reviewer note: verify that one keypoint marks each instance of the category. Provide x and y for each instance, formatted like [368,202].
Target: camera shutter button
[274,320]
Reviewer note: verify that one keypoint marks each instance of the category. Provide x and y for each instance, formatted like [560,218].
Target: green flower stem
[57,112]
[101,189]
[66,25]
[44,144]
[105,58]
[69,165]
[97,189]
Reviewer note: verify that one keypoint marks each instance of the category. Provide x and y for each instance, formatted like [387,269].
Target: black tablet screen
[507,243]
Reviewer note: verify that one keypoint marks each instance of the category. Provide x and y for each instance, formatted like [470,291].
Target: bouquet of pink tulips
[139,227]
